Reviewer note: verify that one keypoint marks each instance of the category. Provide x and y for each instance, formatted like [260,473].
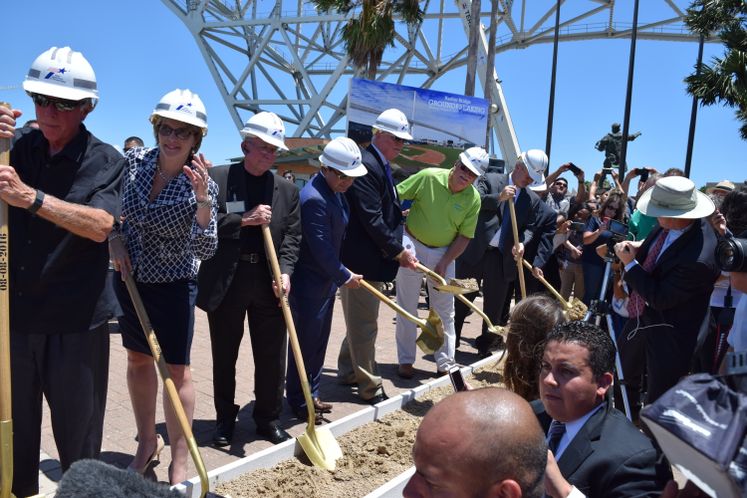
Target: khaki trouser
[356,363]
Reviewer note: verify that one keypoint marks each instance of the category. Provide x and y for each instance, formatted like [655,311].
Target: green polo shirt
[437,215]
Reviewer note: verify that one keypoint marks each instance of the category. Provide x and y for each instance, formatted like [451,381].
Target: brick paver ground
[119,430]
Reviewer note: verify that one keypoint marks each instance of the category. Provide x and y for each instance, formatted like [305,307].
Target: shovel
[522,284]
[443,286]
[6,414]
[318,443]
[573,310]
[168,385]
[432,336]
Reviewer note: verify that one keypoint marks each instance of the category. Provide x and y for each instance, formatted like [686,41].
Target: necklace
[165,178]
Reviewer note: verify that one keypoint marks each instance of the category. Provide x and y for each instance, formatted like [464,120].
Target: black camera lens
[730,255]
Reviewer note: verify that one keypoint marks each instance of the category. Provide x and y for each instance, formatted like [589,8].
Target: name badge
[235,206]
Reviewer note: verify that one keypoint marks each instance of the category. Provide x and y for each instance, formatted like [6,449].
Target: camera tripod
[601,309]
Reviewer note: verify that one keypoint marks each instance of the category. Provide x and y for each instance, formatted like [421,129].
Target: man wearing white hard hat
[237,281]
[372,248]
[62,188]
[319,271]
[671,275]
[500,265]
[440,224]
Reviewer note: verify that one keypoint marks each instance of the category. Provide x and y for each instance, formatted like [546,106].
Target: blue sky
[140,51]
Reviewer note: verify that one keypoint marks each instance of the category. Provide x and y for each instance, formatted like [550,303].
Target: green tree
[369,32]
[724,80]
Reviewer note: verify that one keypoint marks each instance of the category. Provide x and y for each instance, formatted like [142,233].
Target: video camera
[731,255]
[619,232]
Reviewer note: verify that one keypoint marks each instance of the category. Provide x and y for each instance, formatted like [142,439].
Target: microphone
[93,478]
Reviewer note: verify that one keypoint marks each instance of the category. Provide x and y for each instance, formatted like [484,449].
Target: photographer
[711,347]
[569,254]
[557,196]
[671,276]
[644,174]
[598,183]
[597,233]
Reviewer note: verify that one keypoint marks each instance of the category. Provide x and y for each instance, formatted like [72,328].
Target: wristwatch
[206,203]
[38,201]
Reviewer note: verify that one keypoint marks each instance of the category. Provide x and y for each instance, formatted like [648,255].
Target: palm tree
[369,33]
[724,81]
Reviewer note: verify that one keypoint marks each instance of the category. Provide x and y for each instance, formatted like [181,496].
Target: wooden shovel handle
[6,413]
[292,335]
[376,292]
[168,383]
[515,230]
[438,278]
[555,293]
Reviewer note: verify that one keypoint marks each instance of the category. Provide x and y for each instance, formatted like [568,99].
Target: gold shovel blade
[577,310]
[431,338]
[321,447]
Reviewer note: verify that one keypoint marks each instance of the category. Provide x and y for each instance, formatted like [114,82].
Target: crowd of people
[188,234]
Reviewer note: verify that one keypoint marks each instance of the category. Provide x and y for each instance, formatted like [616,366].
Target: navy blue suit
[318,274]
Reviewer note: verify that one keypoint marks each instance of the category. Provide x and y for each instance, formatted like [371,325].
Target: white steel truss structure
[284,56]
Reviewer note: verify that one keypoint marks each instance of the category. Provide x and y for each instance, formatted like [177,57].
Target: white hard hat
[266,126]
[476,159]
[536,162]
[395,122]
[343,155]
[62,73]
[182,105]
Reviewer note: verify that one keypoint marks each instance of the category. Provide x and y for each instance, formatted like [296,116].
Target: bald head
[477,444]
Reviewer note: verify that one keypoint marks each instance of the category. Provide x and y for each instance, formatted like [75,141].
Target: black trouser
[72,372]
[660,351]
[495,289]
[250,295]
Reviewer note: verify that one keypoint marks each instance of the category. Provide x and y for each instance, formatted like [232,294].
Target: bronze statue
[611,145]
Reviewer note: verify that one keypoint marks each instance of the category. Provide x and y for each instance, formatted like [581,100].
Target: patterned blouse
[162,237]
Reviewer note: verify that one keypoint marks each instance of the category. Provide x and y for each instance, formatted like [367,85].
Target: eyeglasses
[611,208]
[396,138]
[340,176]
[466,169]
[61,105]
[166,131]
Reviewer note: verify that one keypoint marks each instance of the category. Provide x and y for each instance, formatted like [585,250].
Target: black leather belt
[252,258]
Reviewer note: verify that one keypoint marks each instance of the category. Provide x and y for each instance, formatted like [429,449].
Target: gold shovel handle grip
[376,292]
[552,290]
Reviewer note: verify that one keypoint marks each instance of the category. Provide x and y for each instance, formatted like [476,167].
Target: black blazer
[527,207]
[610,457]
[216,274]
[678,289]
[374,233]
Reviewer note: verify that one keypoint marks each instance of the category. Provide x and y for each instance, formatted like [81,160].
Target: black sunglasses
[466,169]
[165,131]
[340,176]
[59,104]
